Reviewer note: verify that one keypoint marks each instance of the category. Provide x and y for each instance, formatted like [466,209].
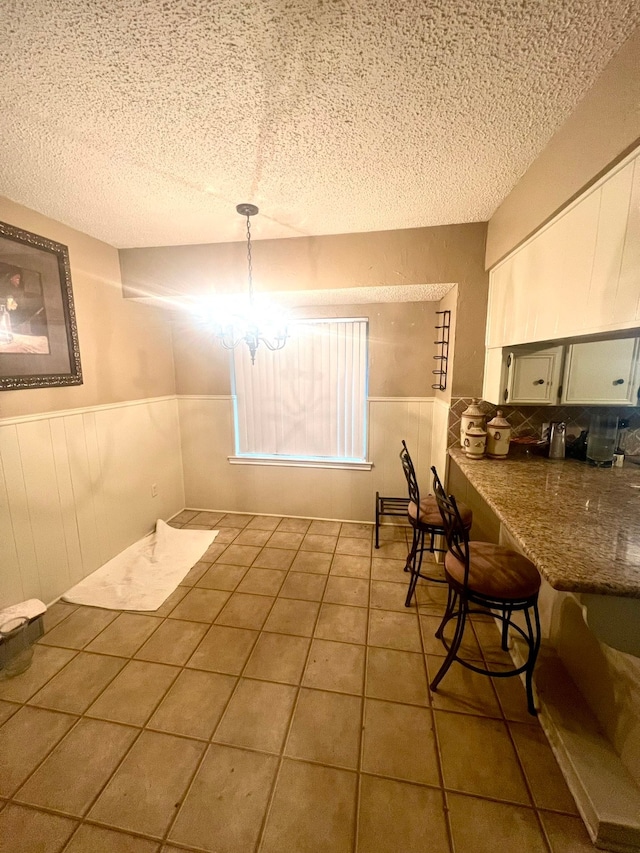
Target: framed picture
[38,332]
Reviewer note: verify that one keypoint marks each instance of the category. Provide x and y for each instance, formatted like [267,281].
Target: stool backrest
[410,474]
[456,534]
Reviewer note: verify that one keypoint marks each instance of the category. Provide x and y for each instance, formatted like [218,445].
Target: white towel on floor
[145,574]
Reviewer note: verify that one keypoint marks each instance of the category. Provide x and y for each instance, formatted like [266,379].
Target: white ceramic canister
[498,436]
[475,442]
[473,416]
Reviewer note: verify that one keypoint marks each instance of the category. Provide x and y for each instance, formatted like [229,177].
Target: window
[305,403]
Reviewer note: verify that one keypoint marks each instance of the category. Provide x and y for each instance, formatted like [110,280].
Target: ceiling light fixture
[254,326]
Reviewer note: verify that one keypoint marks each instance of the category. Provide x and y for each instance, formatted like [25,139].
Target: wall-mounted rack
[442,333]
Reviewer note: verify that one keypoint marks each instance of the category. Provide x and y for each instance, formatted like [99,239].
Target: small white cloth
[12,617]
[146,573]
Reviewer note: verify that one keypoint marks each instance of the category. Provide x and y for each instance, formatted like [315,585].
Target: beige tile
[194,704]
[386,595]
[431,598]
[262,581]
[24,830]
[278,657]
[7,709]
[47,661]
[173,642]
[169,603]
[124,635]
[389,570]
[478,757]
[78,629]
[240,555]
[200,605]
[394,533]
[232,519]
[224,808]
[353,591]
[224,650]
[204,517]
[77,769]
[393,630]
[218,547]
[134,694]
[226,535]
[303,793]
[75,687]
[399,741]
[326,728]
[397,676]
[284,539]
[396,816]
[487,827]
[469,648]
[195,573]
[96,839]
[185,516]
[56,613]
[196,527]
[257,716]
[339,622]
[489,640]
[25,739]
[392,550]
[145,791]
[318,543]
[312,562]
[512,698]
[355,547]
[566,834]
[351,566]
[325,528]
[264,522]
[245,611]
[220,576]
[463,690]
[274,558]
[545,778]
[252,536]
[335,666]
[294,525]
[357,531]
[304,586]
[290,616]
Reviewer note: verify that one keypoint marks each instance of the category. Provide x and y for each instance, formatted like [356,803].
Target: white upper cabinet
[579,275]
[533,377]
[601,373]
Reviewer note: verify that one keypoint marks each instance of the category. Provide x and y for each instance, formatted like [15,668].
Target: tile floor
[277,702]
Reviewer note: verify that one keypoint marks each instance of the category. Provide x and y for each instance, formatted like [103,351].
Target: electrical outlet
[154,490]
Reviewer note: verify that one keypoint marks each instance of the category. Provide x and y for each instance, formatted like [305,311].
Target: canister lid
[473,410]
[499,421]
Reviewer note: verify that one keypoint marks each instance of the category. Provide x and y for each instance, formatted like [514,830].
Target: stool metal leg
[455,643]
[416,565]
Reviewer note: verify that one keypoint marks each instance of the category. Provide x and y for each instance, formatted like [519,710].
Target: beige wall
[401,348]
[604,125]
[449,253]
[125,347]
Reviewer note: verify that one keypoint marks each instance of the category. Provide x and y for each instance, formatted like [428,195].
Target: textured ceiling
[144,122]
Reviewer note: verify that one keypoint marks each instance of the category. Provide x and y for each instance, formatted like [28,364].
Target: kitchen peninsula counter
[580,525]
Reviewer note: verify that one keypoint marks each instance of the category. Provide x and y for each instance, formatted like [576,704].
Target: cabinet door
[533,377]
[601,373]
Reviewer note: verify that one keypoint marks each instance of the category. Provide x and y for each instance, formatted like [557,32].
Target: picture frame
[39,345]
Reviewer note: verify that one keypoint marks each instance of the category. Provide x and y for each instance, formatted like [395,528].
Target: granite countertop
[579,524]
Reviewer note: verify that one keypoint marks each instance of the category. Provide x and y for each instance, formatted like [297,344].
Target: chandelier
[253,325]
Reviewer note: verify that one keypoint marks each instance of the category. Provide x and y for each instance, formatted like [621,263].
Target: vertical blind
[307,400]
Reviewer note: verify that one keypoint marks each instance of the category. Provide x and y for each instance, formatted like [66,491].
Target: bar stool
[425,520]
[494,578]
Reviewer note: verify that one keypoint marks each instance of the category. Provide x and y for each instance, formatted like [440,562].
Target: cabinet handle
[618,381]
[541,382]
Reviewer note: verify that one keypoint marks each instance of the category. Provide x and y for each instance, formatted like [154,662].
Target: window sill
[289,462]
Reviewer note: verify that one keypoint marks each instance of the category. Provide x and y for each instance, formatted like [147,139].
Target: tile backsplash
[528,420]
